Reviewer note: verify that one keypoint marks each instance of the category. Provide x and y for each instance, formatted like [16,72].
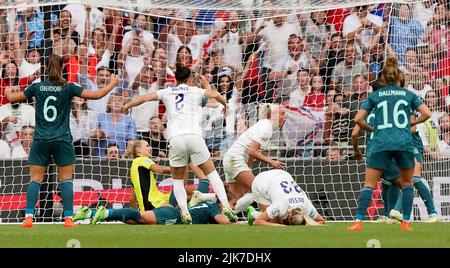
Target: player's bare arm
[139,100]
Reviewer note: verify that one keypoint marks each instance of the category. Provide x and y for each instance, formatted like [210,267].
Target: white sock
[256,214]
[106,213]
[68,217]
[29,215]
[208,197]
[89,215]
[218,187]
[180,195]
[243,202]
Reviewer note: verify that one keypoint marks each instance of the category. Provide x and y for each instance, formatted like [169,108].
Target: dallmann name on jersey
[50,88]
[392,92]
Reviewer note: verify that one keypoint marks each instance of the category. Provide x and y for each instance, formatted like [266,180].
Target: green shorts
[383,160]
[167,215]
[391,173]
[41,152]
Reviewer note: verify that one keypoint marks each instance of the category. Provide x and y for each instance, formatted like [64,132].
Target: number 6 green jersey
[53,104]
[392,107]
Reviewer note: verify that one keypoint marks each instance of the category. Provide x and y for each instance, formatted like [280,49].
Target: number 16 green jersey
[53,104]
[392,107]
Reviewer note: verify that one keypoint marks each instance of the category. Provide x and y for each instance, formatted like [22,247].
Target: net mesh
[319,59]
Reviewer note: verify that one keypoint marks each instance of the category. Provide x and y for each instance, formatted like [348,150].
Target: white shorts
[185,147]
[233,165]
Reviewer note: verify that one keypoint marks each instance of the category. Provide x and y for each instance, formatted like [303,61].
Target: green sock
[32,197]
[384,197]
[123,214]
[408,198]
[173,199]
[425,194]
[203,186]
[66,187]
[394,194]
[363,203]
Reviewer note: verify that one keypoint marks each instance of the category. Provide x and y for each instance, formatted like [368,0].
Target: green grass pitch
[221,236]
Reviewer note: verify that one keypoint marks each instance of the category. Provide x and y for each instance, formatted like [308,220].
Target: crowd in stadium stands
[320,65]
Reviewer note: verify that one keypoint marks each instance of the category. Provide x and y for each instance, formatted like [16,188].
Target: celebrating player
[283,201]
[392,106]
[52,136]
[183,104]
[238,160]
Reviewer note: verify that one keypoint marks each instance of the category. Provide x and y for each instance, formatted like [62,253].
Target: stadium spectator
[82,124]
[362,25]
[9,78]
[13,117]
[297,97]
[285,71]
[316,31]
[344,71]
[5,150]
[156,138]
[334,154]
[405,31]
[316,98]
[335,54]
[22,150]
[184,58]
[131,58]
[232,40]
[249,88]
[423,11]
[103,77]
[112,152]
[182,33]
[32,26]
[144,83]
[140,27]
[444,137]
[113,126]
[429,130]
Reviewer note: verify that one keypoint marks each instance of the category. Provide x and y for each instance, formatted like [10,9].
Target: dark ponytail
[55,66]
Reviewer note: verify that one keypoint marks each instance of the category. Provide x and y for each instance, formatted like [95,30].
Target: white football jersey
[261,132]
[183,107]
[278,190]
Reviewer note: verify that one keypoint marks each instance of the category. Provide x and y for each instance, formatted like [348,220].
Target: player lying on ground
[238,160]
[52,137]
[203,213]
[283,201]
[392,106]
[184,109]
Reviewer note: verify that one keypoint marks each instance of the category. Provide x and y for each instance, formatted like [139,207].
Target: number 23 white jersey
[277,189]
[183,107]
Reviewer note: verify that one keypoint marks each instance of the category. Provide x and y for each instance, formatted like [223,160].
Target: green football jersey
[53,104]
[204,212]
[392,107]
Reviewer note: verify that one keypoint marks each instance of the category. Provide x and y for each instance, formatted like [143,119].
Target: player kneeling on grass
[283,201]
[204,212]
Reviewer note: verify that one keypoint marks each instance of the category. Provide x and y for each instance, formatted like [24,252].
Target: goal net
[318,59]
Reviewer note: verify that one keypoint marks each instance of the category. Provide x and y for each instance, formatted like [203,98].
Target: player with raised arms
[282,200]
[392,106]
[183,104]
[52,136]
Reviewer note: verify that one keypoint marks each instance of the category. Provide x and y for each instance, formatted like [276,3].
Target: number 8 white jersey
[278,190]
[183,107]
